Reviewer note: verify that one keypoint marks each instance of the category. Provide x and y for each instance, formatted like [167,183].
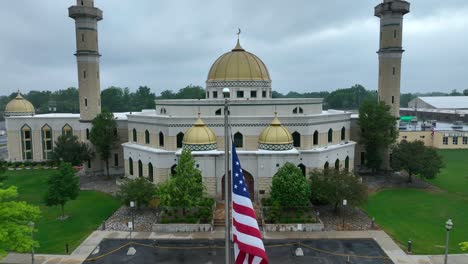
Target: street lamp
[226,94]
[448,227]
[31,225]
[345,202]
[132,223]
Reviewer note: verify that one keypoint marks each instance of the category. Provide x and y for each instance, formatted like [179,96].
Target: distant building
[440,102]
[447,109]
[435,134]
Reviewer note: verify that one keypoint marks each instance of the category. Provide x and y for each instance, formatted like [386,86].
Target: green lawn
[86,213]
[420,215]
[454,177]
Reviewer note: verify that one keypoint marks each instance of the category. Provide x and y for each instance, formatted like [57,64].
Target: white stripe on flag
[246,220]
[249,240]
[241,200]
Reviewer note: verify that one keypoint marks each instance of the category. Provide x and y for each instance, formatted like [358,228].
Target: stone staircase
[219,214]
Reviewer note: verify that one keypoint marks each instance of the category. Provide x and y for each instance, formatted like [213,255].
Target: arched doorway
[302,167]
[249,181]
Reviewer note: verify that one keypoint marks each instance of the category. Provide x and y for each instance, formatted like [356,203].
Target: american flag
[248,244]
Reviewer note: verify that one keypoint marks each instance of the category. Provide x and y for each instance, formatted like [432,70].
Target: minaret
[391,14]
[87,55]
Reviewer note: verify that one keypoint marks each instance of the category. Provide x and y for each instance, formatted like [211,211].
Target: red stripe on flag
[251,231]
[247,211]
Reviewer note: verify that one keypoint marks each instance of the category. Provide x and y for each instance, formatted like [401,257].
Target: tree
[378,131]
[113,100]
[185,188]
[463,246]
[333,186]
[289,187]
[139,190]
[143,98]
[68,148]
[15,233]
[416,159]
[3,176]
[63,186]
[103,136]
[465,92]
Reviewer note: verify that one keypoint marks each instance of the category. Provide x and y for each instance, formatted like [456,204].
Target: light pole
[448,227]
[345,202]
[132,226]
[31,225]
[226,93]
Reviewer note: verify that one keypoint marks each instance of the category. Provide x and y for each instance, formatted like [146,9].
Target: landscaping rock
[144,219]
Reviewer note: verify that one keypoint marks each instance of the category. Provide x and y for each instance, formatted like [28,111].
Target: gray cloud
[307,45]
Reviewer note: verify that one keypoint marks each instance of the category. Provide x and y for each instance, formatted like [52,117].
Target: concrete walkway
[84,250]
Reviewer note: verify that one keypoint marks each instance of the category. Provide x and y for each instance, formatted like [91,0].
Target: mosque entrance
[249,181]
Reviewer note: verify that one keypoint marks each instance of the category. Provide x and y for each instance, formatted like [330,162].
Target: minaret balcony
[395,6]
[84,11]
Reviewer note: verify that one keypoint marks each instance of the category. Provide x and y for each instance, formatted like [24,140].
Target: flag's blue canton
[238,180]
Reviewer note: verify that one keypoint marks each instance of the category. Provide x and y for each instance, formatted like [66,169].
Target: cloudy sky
[168,44]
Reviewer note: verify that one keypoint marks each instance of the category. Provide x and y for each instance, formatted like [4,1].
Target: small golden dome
[275,137]
[238,65]
[199,137]
[19,107]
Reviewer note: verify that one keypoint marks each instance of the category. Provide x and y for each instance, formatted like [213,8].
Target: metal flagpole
[226,174]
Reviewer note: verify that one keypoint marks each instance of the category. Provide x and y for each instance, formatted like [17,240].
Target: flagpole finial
[238,33]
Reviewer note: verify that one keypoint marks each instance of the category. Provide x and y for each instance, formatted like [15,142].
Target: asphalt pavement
[325,251]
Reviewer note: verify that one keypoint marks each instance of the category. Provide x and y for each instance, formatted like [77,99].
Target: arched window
[87,133]
[296,139]
[47,142]
[326,166]
[295,110]
[302,167]
[301,111]
[238,140]
[343,133]
[140,168]
[27,146]
[330,135]
[337,164]
[346,163]
[161,139]
[173,169]
[180,138]
[150,172]
[134,135]
[316,137]
[130,166]
[67,130]
[163,111]
[147,137]
[218,112]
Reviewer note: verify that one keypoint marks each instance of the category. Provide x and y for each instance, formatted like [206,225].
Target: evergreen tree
[63,186]
[68,148]
[289,187]
[378,131]
[185,188]
[104,136]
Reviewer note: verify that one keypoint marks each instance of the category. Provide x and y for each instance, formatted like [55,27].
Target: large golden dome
[238,65]
[199,137]
[19,107]
[275,137]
